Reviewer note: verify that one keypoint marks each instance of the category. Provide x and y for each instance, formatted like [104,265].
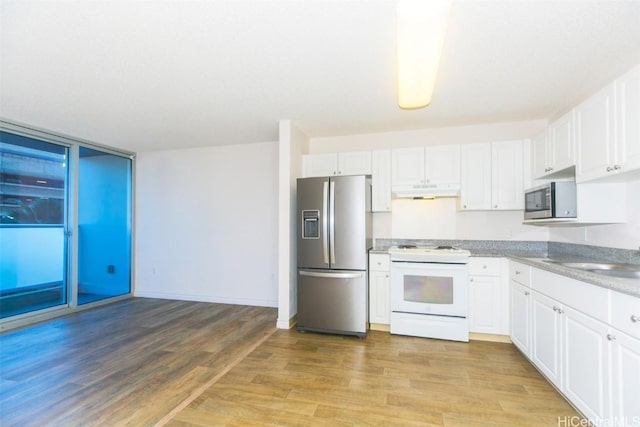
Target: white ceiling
[146,75]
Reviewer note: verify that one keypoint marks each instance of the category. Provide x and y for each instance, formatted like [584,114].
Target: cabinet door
[628,124]
[506,175]
[520,297]
[381,181]
[407,166]
[320,164]
[379,308]
[484,304]
[354,163]
[546,337]
[561,154]
[595,135]
[442,164]
[475,188]
[539,147]
[625,377]
[585,364]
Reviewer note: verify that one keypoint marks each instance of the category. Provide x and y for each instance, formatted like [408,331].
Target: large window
[33,179]
[104,225]
[65,225]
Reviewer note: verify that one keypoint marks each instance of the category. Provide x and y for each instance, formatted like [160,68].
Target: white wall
[624,236]
[206,224]
[292,144]
[440,219]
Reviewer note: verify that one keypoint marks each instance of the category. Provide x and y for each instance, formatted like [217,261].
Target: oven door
[429,288]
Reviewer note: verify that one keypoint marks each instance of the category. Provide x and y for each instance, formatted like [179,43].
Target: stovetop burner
[407,246]
[445,247]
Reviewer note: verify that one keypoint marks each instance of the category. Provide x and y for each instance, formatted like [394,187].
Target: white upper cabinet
[561,153]
[381,181]
[425,165]
[407,166]
[475,187]
[539,148]
[608,130]
[348,163]
[553,150]
[628,110]
[354,163]
[506,175]
[442,164]
[492,176]
[319,164]
[595,134]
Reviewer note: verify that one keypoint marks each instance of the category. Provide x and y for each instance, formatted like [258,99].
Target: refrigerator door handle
[331,275]
[332,224]
[325,214]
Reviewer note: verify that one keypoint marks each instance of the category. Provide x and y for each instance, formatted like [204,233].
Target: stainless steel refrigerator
[334,237]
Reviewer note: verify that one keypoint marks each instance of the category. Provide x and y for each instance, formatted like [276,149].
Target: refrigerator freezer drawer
[332,301]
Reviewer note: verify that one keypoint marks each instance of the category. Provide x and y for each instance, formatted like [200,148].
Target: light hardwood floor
[135,362]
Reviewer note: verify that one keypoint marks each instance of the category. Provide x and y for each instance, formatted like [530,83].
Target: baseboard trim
[474,336]
[378,327]
[207,298]
[284,324]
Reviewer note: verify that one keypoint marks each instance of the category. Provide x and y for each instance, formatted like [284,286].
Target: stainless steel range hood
[426,191]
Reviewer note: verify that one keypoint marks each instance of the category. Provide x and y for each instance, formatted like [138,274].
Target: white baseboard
[208,298]
[489,337]
[287,324]
[379,327]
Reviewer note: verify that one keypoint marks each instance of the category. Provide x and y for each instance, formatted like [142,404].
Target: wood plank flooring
[311,379]
[130,362]
[136,361]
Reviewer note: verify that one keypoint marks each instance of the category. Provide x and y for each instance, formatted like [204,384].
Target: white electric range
[429,292]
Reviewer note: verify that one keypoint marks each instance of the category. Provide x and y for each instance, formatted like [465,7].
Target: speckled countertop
[627,286]
[533,252]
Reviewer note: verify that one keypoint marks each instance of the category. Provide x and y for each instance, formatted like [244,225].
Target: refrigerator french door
[334,237]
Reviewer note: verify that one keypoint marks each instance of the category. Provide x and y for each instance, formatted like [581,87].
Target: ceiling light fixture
[420,29]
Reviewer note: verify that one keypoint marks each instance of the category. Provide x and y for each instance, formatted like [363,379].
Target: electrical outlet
[111,269]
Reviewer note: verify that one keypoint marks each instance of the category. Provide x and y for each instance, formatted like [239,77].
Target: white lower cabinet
[585,364]
[625,378]
[488,297]
[379,308]
[625,359]
[584,339]
[572,351]
[546,337]
[520,311]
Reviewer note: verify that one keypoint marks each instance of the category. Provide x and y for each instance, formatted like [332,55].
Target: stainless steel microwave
[552,200]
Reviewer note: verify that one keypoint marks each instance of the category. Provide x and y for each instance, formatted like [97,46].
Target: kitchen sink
[605,268]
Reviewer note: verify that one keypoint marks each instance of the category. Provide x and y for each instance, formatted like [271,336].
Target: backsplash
[627,256]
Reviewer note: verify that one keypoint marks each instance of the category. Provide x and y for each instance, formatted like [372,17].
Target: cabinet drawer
[587,298]
[520,273]
[485,266]
[378,262]
[625,313]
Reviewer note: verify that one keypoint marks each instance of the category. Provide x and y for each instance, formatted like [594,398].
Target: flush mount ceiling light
[420,29]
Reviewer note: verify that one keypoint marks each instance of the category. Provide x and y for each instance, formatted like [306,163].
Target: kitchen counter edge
[626,286]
